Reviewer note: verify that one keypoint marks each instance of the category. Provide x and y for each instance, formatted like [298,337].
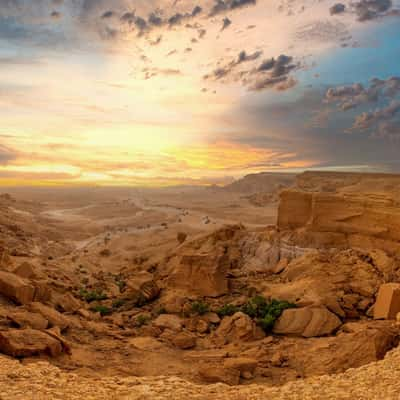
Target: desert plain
[264,288]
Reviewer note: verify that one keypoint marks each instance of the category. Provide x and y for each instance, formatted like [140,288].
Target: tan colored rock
[16,288]
[214,374]
[359,220]
[53,316]
[26,319]
[141,289]
[184,341]
[388,301]
[238,327]
[242,364]
[307,322]
[202,274]
[28,342]
[167,321]
[42,291]
[26,270]
[67,303]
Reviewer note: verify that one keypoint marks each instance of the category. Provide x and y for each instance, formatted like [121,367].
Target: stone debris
[387,304]
[38,381]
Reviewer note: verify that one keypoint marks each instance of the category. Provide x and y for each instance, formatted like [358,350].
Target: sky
[198,92]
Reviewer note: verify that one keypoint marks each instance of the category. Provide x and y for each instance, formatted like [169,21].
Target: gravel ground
[41,381]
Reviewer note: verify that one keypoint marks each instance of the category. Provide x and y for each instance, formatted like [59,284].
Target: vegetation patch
[103,310]
[142,320]
[200,307]
[264,312]
[92,295]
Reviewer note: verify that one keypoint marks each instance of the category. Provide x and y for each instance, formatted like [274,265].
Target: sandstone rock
[26,270]
[55,333]
[242,364]
[347,219]
[215,374]
[67,303]
[42,291]
[388,301]
[200,267]
[184,341]
[167,321]
[141,289]
[238,327]
[203,275]
[28,342]
[25,319]
[181,237]
[53,316]
[16,288]
[307,322]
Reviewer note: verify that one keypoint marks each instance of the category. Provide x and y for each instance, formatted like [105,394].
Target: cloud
[221,6]
[337,8]
[369,119]
[225,23]
[271,73]
[371,9]
[7,155]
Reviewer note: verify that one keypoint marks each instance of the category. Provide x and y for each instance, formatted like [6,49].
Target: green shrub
[161,310]
[227,310]
[92,295]
[200,307]
[142,320]
[118,303]
[103,310]
[265,313]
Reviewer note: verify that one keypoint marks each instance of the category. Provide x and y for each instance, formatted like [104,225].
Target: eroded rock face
[201,267]
[387,304]
[238,327]
[16,288]
[345,282]
[341,220]
[25,319]
[28,342]
[307,322]
[53,316]
[141,289]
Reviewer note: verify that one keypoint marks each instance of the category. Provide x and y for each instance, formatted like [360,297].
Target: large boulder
[202,274]
[201,267]
[15,288]
[141,289]
[53,316]
[26,319]
[28,342]
[387,304]
[216,374]
[238,327]
[167,321]
[246,366]
[307,322]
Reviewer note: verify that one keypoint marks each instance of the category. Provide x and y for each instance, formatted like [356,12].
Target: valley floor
[42,381]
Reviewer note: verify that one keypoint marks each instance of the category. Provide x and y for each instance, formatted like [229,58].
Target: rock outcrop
[307,322]
[366,221]
[28,342]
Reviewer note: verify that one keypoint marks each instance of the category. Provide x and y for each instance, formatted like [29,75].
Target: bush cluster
[264,312]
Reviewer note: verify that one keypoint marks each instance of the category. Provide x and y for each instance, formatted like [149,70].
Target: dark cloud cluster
[371,9]
[273,73]
[381,121]
[226,22]
[337,8]
[221,6]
